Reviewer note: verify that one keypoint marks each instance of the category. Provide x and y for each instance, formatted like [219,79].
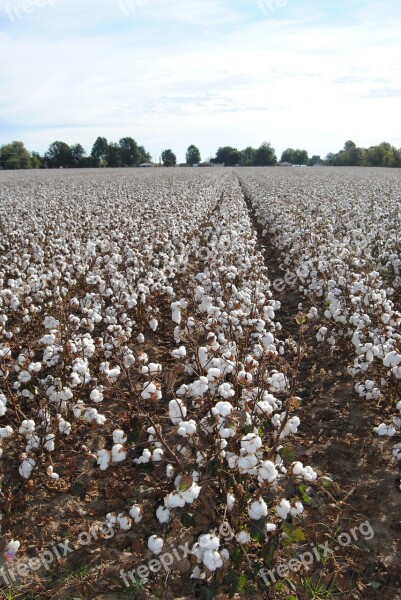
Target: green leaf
[185,483]
[269,550]
[294,534]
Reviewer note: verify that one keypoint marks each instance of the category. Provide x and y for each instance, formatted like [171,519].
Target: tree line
[128,153]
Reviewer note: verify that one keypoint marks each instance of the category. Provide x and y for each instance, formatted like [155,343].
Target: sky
[170,73]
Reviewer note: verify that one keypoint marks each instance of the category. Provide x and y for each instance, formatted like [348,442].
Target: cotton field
[159,391]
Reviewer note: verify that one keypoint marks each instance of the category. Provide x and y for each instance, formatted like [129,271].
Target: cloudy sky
[169,73]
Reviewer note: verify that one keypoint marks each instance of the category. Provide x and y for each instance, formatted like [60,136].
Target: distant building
[284,164]
[146,165]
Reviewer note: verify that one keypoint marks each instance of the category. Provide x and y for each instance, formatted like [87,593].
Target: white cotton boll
[111,518]
[155,544]
[199,387]
[136,513]
[223,409]
[50,472]
[153,324]
[157,455]
[213,375]
[397,452]
[384,429]
[187,428]
[176,312]
[103,459]
[12,548]
[24,377]
[243,537]
[251,443]
[151,390]
[49,445]
[267,471]
[225,390]
[297,509]
[35,367]
[208,541]
[26,467]
[27,426]
[3,405]
[48,339]
[64,427]
[321,334]
[283,509]
[247,464]
[119,436]
[163,514]
[154,368]
[230,501]
[145,458]
[309,474]
[143,358]
[174,500]
[124,522]
[257,509]
[140,338]
[212,560]
[113,374]
[179,353]
[270,527]
[170,471]
[297,468]
[177,411]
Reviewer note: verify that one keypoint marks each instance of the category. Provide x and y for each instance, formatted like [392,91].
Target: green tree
[59,155]
[129,152]
[100,150]
[36,160]
[228,155]
[77,155]
[113,155]
[144,156]
[193,156]
[15,156]
[169,158]
[248,156]
[295,157]
[315,160]
[265,155]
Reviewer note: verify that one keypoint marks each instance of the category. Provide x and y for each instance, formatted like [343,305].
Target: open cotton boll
[187,428]
[48,339]
[297,509]
[212,560]
[151,391]
[267,472]
[170,471]
[384,429]
[397,452]
[124,522]
[49,444]
[155,544]
[283,509]
[163,514]
[225,390]
[257,509]
[243,537]
[230,501]
[103,459]
[140,338]
[26,467]
[119,436]
[270,527]
[50,472]
[153,324]
[251,443]
[3,405]
[176,312]
[154,368]
[179,352]
[136,513]
[199,387]
[27,426]
[118,453]
[157,455]
[223,409]
[145,458]
[11,549]
[208,541]
[6,432]
[174,500]
[177,411]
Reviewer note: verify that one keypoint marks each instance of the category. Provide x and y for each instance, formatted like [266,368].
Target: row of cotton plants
[340,235]
[89,264]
